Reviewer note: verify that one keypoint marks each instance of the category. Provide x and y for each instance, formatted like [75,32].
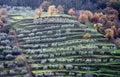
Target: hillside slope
[55,47]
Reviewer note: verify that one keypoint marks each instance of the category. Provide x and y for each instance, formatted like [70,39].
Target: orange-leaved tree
[71,11]
[87,35]
[52,10]
[60,9]
[3,11]
[109,33]
[20,58]
[38,12]
[85,16]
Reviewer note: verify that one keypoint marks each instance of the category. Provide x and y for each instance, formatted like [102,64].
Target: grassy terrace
[98,74]
[60,49]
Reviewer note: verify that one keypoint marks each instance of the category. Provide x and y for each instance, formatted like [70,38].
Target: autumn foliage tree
[111,13]
[3,11]
[85,16]
[61,66]
[109,3]
[12,31]
[83,19]
[87,35]
[3,14]
[109,33]
[97,25]
[1,25]
[89,14]
[117,42]
[20,58]
[96,17]
[52,10]
[60,9]
[71,11]
[38,12]
[45,5]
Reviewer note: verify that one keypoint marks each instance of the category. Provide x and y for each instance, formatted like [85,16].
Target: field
[55,46]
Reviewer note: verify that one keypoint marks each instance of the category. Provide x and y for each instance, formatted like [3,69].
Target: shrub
[23,71]
[1,57]
[45,5]
[1,24]
[111,13]
[52,10]
[87,35]
[4,19]
[117,42]
[95,26]
[1,67]
[20,58]
[96,17]
[89,14]
[38,12]
[60,9]
[109,33]
[16,51]
[3,36]
[9,57]
[61,66]
[12,31]
[11,65]
[3,11]
[20,63]
[3,73]
[11,37]
[5,42]
[83,18]
[71,11]
[6,52]
[12,72]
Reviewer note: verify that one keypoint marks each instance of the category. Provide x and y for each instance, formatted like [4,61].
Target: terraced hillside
[10,66]
[55,47]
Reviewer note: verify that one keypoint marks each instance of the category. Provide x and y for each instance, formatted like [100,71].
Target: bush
[60,9]
[12,72]
[11,37]
[11,65]
[20,58]
[5,43]
[87,35]
[16,51]
[3,73]
[1,67]
[3,36]
[1,57]
[38,12]
[111,13]
[52,10]
[61,67]
[117,42]
[109,33]
[45,5]
[20,63]
[9,57]
[71,11]
[23,71]
[6,52]
[3,11]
